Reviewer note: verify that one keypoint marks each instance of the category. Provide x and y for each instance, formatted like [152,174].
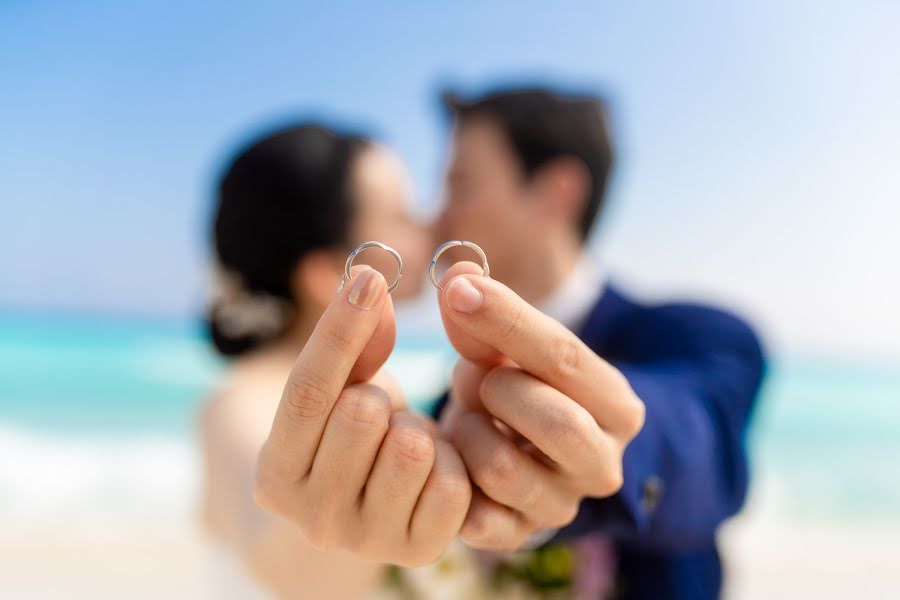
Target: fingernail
[462,296]
[366,289]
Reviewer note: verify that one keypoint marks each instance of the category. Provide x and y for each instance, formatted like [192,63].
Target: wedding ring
[443,248]
[365,246]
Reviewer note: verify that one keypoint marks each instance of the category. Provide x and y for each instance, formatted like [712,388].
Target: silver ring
[364,246]
[443,248]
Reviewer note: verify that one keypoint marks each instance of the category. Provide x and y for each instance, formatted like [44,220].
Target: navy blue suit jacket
[698,371]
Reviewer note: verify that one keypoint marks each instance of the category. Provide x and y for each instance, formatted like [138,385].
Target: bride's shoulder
[242,404]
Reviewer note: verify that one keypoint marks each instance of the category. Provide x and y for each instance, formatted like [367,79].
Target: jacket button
[651,493]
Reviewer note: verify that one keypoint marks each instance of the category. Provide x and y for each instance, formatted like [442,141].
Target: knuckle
[348,535]
[460,431]
[353,544]
[267,492]
[435,549]
[273,488]
[355,535]
[316,524]
[419,556]
[453,490]
[493,382]
[411,447]
[407,560]
[511,543]
[532,499]
[616,481]
[498,471]
[318,535]
[566,357]
[516,322]
[563,515]
[634,413]
[475,528]
[570,431]
[480,532]
[636,418]
[608,483]
[307,397]
[339,337]
[369,543]
[362,410]
[429,555]
[495,541]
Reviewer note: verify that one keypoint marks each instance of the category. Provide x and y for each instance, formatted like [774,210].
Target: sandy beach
[170,558]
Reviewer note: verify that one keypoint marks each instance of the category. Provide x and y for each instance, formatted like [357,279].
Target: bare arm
[273,549]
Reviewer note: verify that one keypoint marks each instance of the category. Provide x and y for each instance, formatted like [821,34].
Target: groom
[574,410]
[526,181]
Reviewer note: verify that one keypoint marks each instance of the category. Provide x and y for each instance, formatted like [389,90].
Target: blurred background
[759,167]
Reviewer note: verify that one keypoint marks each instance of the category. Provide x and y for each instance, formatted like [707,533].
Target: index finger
[486,314]
[356,329]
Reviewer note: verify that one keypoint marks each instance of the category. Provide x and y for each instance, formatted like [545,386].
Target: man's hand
[342,460]
[539,419]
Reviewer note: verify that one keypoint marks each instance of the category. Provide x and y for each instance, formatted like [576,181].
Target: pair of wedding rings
[437,254]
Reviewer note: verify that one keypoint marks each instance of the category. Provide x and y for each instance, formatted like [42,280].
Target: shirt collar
[572,301]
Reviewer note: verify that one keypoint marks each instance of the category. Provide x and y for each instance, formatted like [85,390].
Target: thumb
[468,346]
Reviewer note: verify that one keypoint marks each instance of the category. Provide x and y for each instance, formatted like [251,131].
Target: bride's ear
[316,278]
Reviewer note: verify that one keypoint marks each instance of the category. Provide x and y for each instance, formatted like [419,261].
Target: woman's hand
[540,420]
[343,460]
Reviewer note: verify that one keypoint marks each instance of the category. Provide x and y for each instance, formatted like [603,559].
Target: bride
[288,210]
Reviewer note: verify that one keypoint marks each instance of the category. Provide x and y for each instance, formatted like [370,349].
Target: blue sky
[759,144]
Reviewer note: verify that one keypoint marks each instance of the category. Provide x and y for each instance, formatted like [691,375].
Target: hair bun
[240,319]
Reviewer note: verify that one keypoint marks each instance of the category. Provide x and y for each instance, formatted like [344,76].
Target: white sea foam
[97,483]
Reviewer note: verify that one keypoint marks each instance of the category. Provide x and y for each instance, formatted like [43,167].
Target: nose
[441,227]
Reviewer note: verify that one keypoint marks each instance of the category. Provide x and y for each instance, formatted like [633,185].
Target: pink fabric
[594,573]
[595,567]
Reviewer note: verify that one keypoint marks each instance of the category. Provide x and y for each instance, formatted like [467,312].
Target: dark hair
[543,125]
[278,199]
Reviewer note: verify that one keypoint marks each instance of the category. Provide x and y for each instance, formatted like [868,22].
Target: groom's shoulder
[686,324]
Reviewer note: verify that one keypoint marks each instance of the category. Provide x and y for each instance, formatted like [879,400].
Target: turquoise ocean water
[827,433]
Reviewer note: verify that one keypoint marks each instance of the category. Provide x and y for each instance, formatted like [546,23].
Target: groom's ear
[562,186]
